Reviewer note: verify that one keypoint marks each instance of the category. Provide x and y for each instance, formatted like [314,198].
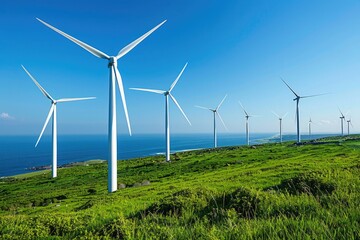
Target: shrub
[304,184]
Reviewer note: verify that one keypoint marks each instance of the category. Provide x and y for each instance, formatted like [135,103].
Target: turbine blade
[177,104]
[314,95]
[149,90]
[74,99]
[290,87]
[222,121]
[130,46]
[122,94]
[243,109]
[38,85]
[341,112]
[177,79]
[46,122]
[221,102]
[275,114]
[203,107]
[284,115]
[85,46]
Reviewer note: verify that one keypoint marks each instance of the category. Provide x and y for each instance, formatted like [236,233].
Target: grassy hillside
[271,191]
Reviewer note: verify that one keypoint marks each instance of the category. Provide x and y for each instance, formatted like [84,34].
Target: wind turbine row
[114,78]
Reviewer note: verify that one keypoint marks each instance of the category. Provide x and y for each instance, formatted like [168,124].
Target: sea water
[18,153]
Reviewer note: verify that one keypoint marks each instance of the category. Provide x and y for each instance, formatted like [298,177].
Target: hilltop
[269,191]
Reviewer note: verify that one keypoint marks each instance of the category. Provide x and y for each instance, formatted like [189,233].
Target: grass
[270,191]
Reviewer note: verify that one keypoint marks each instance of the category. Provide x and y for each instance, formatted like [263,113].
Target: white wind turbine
[247,127]
[52,113]
[342,119]
[114,77]
[216,112]
[297,99]
[280,120]
[167,120]
[348,125]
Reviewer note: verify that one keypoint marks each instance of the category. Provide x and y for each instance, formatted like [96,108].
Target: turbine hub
[112,61]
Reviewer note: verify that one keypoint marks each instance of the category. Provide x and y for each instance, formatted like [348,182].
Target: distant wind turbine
[280,120]
[342,119]
[167,120]
[348,125]
[247,128]
[52,113]
[216,112]
[310,122]
[114,76]
[297,99]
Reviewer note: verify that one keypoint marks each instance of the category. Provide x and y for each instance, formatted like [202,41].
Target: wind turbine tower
[216,113]
[114,77]
[167,120]
[52,113]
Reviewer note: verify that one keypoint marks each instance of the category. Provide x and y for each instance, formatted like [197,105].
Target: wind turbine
[52,113]
[114,76]
[310,122]
[216,112]
[247,116]
[280,120]
[297,99]
[167,120]
[348,123]
[342,119]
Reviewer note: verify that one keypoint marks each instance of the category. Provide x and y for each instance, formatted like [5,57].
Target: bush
[304,184]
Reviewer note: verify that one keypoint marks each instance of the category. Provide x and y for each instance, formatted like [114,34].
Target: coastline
[136,147]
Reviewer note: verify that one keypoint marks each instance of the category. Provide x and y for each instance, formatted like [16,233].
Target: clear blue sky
[239,48]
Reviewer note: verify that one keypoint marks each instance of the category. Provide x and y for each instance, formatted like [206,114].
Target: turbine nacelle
[112,62]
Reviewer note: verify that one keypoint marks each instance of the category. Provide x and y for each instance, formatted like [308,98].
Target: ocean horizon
[18,153]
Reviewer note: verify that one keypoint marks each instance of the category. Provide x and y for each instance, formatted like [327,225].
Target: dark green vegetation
[271,191]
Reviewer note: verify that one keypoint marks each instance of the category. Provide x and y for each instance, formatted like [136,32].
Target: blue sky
[239,48]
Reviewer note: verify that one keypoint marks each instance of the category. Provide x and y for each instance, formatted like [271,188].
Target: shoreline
[255,141]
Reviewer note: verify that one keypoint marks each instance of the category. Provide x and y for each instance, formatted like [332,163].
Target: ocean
[18,153]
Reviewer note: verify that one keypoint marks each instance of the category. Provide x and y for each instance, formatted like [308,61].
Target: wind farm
[160,175]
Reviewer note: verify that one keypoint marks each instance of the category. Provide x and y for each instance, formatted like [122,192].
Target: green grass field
[270,191]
